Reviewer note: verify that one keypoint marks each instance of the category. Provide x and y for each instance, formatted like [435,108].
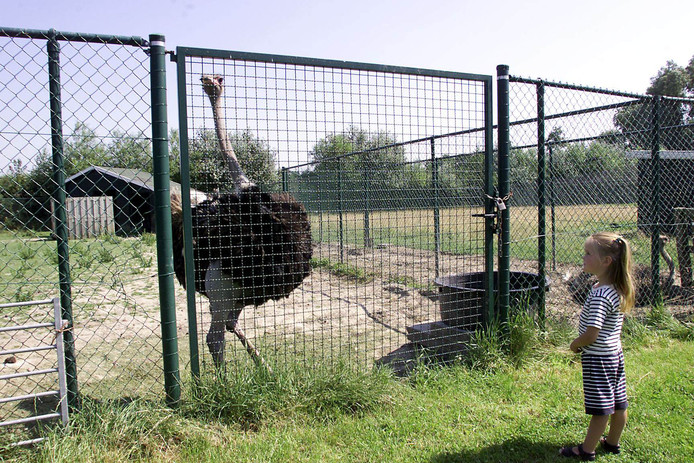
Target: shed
[676,186]
[132,192]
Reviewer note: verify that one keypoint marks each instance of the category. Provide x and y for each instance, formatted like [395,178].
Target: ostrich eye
[220,79]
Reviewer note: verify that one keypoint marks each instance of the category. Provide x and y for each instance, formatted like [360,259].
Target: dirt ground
[118,336]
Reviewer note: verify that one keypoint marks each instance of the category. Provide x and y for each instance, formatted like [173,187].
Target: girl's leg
[596,428]
[617,423]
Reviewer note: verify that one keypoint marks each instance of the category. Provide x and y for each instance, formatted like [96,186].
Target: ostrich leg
[222,294]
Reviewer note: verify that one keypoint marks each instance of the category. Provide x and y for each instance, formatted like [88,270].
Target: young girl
[607,256]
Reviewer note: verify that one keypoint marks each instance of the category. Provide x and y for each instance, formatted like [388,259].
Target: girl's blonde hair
[608,244]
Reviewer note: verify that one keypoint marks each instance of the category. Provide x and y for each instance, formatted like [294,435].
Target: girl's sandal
[607,447]
[582,454]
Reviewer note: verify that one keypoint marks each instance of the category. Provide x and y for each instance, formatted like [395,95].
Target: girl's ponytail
[623,280]
[616,247]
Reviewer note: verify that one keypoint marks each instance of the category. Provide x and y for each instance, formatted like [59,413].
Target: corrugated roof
[137,177]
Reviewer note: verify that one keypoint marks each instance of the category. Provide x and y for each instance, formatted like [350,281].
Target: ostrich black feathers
[263,241]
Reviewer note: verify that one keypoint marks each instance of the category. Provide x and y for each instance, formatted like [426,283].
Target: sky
[612,44]
[615,44]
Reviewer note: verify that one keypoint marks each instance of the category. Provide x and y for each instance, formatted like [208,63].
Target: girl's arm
[585,339]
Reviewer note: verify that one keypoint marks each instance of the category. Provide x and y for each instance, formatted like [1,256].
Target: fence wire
[388,164]
[107,161]
[588,160]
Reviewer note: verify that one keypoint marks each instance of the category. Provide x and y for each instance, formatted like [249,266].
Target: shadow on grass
[512,450]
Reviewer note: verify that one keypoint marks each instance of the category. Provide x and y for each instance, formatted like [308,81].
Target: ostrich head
[213,86]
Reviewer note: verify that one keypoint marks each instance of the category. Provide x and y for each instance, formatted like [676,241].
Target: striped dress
[604,380]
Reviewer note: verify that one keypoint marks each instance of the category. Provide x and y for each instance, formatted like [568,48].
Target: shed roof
[137,177]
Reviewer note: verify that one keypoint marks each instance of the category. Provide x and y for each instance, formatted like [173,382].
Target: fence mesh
[612,162]
[107,161]
[389,166]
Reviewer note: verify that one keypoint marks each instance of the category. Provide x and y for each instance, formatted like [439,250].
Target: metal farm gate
[71,101]
[393,166]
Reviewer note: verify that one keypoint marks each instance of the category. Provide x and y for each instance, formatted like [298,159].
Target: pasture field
[516,405]
[356,305]
[461,233]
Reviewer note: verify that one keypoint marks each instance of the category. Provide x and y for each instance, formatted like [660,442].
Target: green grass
[343,270]
[461,234]
[29,266]
[478,409]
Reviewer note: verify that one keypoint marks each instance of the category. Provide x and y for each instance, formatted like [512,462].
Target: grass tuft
[254,396]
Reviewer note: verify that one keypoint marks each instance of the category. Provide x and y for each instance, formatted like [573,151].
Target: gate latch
[500,204]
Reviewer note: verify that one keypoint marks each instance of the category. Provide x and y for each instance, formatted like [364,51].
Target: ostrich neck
[235,169]
[670,263]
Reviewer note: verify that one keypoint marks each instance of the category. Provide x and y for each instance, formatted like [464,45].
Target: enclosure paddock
[401,171]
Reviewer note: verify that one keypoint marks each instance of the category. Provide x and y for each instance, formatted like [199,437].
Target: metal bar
[189,256]
[603,91]
[655,204]
[162,201]
[340,208]
[504,184]
[400,144]
[437,220]
[29,373]
[28,442]
[61,231]
[60,348]
[285,179]
[28,396]
[73,36]
[25,327]
[541,209]
[23,304]
[30,419]
[552,211]
[366,175]
[301,61]
[489,231]
[27,349]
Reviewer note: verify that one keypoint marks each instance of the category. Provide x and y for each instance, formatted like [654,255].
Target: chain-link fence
[389,164]
[75,109]
[585,160]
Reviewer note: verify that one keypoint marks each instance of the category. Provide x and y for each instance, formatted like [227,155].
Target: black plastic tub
[461,296]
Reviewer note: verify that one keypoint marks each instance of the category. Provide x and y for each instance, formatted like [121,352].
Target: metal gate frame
[493,215]
[60,325]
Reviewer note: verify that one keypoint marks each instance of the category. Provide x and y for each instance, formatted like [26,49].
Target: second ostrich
[579,286]
[249,246]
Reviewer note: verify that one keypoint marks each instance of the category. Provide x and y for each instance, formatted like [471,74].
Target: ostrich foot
[250,348]
[215,343]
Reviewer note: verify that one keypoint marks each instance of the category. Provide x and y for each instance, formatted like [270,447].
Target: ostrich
[579,286]
[249,246]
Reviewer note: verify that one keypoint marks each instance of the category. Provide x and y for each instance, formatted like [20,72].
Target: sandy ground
[118,335]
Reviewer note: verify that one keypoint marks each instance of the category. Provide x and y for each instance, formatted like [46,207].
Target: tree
[208,169]
[636,121]
[358,154]
[671,80]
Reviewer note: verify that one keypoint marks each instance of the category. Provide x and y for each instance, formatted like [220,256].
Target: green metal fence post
[366,175]
[551,206]
[437,220]
[504,187]
[162,202]
[340,208]
[655,203]
[541,206]
[489,231]
[61,231]
[285,179]
[188,256]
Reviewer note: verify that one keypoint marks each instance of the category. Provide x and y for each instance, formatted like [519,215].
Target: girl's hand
[574,348]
